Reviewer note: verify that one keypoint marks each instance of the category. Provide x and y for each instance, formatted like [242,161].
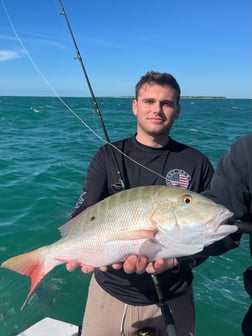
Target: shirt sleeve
[231,187]
[95,187]
[230,183]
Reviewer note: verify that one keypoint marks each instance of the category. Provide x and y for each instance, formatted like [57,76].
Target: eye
[149,101]
[169,103]
[187,199]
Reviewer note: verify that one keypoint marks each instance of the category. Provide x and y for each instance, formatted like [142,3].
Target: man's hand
[132,264]
[73,264]
[161,265]
[140,264]
[135,264]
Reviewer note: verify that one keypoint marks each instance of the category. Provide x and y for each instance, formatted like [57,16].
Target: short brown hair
[152,77]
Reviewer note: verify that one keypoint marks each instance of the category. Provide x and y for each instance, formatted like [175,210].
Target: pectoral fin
[135,234]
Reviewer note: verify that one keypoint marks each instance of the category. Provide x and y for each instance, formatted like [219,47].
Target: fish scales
[156,221]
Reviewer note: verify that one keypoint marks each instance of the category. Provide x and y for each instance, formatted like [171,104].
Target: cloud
[6,55]
[33,38]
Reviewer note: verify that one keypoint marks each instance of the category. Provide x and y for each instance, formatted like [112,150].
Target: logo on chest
[178,178]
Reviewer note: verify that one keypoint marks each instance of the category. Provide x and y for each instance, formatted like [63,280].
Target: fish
[155,221]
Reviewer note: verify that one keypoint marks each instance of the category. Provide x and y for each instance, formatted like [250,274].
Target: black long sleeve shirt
[231,186]
[175,164]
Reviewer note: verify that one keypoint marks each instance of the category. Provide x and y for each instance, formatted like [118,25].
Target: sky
[205,44]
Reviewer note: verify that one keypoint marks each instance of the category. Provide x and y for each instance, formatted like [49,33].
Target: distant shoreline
[182,97]
[203,97]
[121,97]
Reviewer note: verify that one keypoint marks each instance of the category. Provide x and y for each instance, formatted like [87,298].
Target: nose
[158,106]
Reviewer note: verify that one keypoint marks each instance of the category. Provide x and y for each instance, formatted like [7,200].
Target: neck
[153,141]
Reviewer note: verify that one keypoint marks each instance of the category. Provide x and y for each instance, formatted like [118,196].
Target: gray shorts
[107,316]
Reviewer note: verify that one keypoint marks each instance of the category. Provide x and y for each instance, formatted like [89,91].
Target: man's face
[156,108]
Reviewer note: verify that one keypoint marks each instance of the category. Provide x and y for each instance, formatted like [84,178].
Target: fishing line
[171,330]
[78,55]
[27,53]
[106,141]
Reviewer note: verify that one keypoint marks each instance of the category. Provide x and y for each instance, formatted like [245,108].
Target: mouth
[156,119]
[220,220]
[218,225]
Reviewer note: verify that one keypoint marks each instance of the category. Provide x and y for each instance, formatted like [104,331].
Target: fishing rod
[165,310]
[120,184]
[168,319]
[97,110]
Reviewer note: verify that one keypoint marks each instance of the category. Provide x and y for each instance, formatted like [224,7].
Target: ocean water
[45,151]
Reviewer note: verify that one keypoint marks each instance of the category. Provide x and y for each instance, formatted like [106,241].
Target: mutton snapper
[155,221]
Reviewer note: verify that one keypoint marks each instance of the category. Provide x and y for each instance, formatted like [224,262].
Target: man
[123,299]
[232,187]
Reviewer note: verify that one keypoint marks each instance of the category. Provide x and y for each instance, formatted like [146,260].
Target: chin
[159,133]
[158,129]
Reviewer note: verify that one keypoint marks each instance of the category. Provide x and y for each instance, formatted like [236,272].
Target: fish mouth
[220,220]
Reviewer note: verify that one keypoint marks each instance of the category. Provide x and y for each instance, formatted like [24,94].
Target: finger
[156,266]
[72,265]
[159,263]
[87,269]
[129,264]
[150,268]
[103,268]
[141,264]
[117,266]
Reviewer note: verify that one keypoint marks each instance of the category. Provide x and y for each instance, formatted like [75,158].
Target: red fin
[31,264]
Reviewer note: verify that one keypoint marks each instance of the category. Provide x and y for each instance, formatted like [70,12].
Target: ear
[134,107]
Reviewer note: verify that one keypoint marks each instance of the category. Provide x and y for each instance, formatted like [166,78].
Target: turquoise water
[45,151]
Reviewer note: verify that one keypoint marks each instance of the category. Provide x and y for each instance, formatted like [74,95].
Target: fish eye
[187,199]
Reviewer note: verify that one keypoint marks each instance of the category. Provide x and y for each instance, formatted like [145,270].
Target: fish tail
[32,264]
